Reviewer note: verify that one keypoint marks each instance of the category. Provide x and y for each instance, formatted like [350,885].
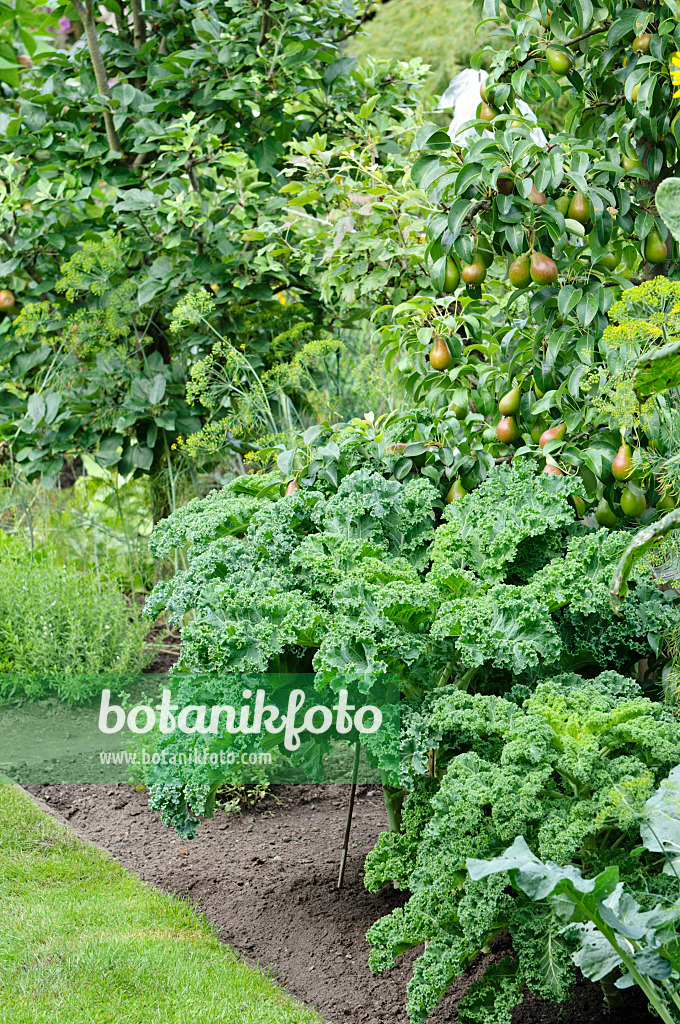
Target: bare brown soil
[267,879]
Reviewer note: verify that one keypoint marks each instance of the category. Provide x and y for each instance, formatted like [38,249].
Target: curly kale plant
[565,766]
[613,932]
[366,582]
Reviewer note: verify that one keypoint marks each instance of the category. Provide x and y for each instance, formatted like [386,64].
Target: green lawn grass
[441,32]
[82,941]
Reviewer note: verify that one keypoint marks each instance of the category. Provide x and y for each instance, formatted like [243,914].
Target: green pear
[655,247]
[604,514]
[509,403]
[633,501]
[456,490]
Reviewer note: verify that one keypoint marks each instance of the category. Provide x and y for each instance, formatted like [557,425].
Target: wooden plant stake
[350,811]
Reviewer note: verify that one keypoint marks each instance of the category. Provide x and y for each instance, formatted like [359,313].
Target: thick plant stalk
[86,14]
[394,802]
[641,542]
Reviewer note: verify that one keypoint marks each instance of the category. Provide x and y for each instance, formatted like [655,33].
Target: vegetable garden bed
[267,879]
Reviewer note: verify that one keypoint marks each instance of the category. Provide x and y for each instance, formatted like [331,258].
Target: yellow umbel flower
[674,69]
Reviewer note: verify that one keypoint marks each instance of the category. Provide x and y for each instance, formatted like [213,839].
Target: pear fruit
[482,91]
[456,490]
[633,501]
[487,112]
[509,403]
[562,204]
[642,43]
[556,433]
[519,273]
[667,501]
[634,94]
[505,182]
[604,514]
[609,260]
[543,269]
[292,487]
[459,411]
[507,430]
[579,208]
[630,163]
[552,470]
[440,354]
[475,272]
[452,275]
[536,197]
[655,247]
[622,465]
[579,504]
[6,299]
[558,61]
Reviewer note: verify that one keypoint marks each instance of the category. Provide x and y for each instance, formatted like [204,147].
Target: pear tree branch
[85,12]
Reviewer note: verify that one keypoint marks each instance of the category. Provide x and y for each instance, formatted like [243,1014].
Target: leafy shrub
[60,628]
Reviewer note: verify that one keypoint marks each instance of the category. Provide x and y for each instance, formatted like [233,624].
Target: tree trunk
[86,15]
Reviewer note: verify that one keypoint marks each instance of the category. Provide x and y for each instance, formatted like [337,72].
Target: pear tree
[542,218]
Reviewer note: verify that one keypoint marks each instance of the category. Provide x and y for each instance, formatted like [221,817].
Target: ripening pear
[622,465]
[519,273]
[475,272]
[558,61]
[452,275]
[505,182]
[509,403]
[642,43]
[550,469]
[633,501]
[579,208]
[7,299]
[536,197]
[562,204]
[543,269]
[459,411]
[634,94]
[487,112]
[556,433]
[440,354]
[482,91]
[292,487]
[456,490]
[655,247]
[604,514]
[507,430]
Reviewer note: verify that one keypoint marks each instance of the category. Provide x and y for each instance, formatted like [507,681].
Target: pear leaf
[658,371]
[668,205]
